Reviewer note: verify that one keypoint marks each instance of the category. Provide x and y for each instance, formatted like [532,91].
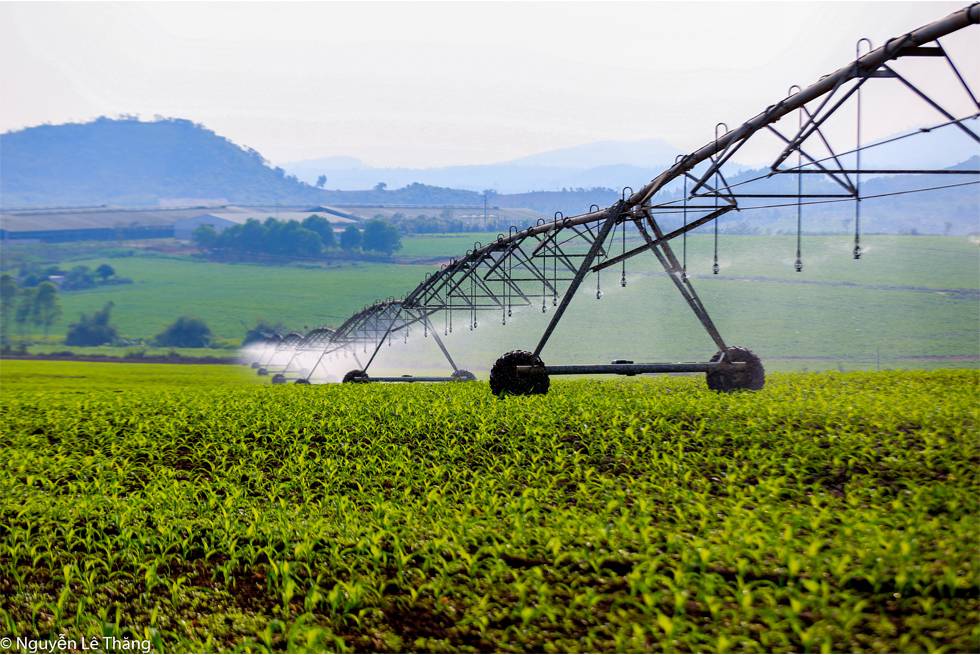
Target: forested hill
[134,163]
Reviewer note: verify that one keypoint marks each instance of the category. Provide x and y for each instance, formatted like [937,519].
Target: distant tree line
[311,238]
[78,277]
[38,306]
[442,224]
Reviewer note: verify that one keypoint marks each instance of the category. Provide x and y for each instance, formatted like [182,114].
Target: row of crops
[828,512]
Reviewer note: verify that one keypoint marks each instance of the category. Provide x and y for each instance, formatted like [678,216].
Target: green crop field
[910,302]
[188,509]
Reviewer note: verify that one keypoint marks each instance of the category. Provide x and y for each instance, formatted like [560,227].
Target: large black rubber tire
[301,381]
[462,375]
[278,378]
[357,375]
[752,377]
[262,372]
[504,380]
[256,365]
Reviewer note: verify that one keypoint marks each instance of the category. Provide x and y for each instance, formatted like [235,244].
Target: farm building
[107,223]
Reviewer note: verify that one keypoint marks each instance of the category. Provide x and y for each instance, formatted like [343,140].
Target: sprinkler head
[715,268]
[554,301]
[509,313]
[798,266]
[623,282]
[857,252]
[598,294]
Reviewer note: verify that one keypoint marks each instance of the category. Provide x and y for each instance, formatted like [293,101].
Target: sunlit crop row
[827,512]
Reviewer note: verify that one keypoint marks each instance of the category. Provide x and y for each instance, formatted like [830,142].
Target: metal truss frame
[550,261]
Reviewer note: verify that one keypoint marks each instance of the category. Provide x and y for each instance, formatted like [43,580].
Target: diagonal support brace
[580,275]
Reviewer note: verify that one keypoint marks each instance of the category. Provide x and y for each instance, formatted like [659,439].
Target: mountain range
[601,164]
[127,162]
[614,164]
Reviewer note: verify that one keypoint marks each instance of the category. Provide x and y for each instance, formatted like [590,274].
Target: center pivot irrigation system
[547,263]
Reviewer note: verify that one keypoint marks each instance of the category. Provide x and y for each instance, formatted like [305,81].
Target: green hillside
[133,163]
[911,301]
[128,162]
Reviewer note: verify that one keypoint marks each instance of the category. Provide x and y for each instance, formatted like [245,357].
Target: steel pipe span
[550,260]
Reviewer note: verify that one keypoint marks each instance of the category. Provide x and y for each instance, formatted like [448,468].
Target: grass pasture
[201,512]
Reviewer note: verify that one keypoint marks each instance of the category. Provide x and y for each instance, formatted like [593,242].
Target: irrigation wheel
[504,379]
[262,372]
[752,376]
[462,375]
[357,375]
[278,378]
[302,381]
[256,365]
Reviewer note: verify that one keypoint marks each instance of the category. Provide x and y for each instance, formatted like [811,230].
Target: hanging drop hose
[799,221]
[503,304]
[715,268]
[684,268]
[857,186]
[510,276]
[598,259]
[544,283]
[554,266]
[622,280]
[799,190]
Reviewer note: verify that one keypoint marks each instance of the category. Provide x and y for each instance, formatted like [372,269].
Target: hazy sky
[443,83]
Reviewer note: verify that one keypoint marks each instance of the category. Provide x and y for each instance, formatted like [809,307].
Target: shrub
[93,330]
[185,332]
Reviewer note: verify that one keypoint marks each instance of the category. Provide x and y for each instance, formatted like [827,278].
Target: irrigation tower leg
[384,336]
[676,273]
[580,275]
[442,347]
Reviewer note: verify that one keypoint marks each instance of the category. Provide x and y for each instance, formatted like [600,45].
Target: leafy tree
[93,330]
[8,301]
[322,227]
[321,181]
[185,332]
[32,275]
[47,305]
[262,329]
[26,311]
[380,237]
[204,237]
[105,271]
[79,277]
[289,238]
[253,235]
[380,186]
[350,239]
